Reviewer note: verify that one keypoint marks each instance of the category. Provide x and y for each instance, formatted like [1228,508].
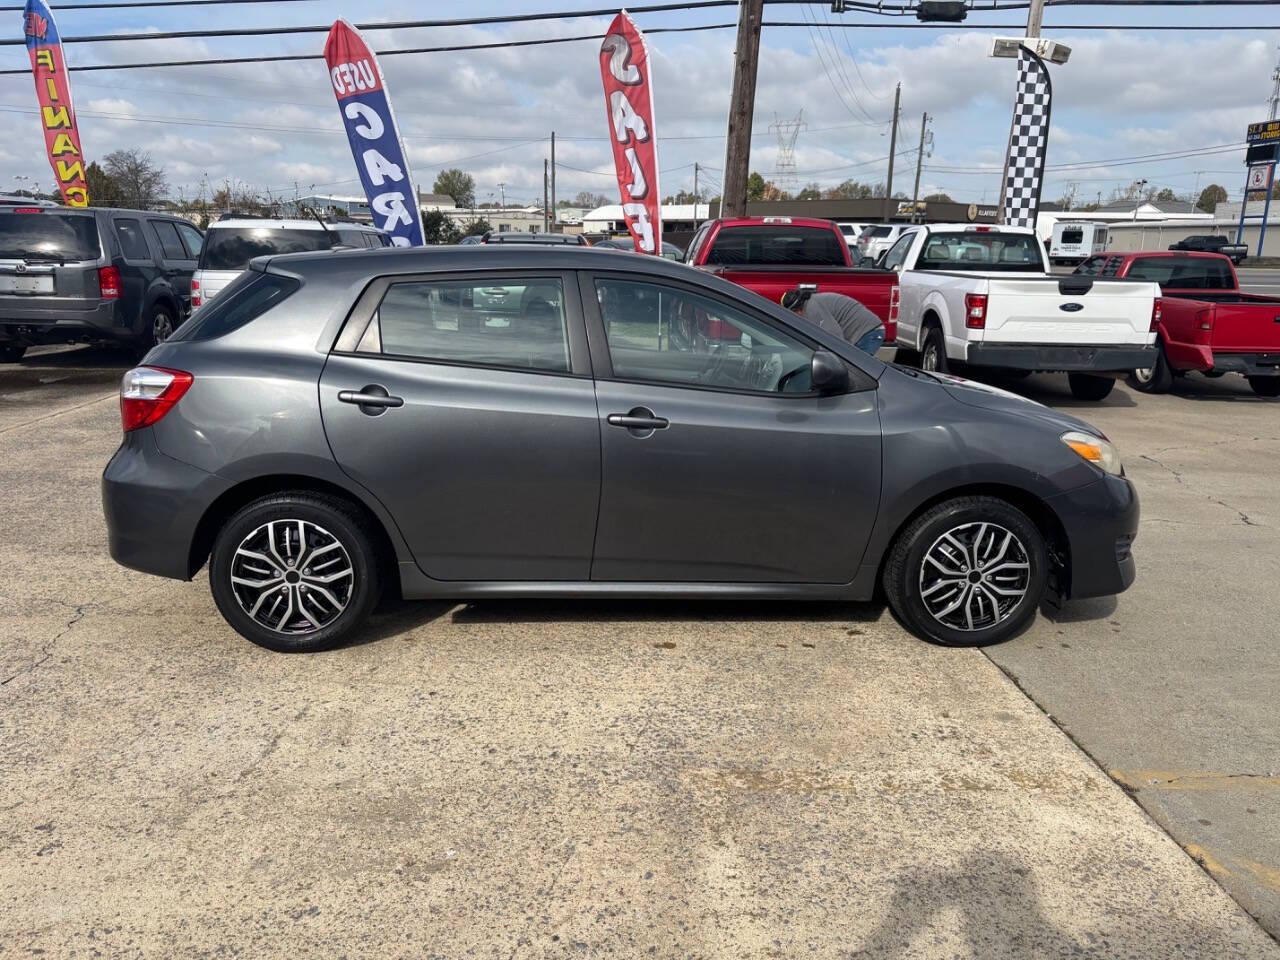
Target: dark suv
[94,275]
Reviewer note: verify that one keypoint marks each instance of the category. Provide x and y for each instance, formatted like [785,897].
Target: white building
[675,216]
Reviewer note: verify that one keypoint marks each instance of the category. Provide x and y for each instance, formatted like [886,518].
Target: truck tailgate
[871,288]
[1069,310]
[1246,327]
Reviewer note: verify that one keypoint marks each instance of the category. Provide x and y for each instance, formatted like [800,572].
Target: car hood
[986,397]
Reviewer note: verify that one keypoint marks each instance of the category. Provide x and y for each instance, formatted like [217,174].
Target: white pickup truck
[983,296]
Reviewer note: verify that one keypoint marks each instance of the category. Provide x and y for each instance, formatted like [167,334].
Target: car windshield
[48,236]
[231,248]
[985,251]
[764,245]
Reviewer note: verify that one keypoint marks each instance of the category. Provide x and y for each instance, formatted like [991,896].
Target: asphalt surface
[702,780]
[1264,281]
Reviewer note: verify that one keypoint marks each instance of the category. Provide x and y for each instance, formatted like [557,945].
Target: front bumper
[153,505]
[1068,357]
[1101,522]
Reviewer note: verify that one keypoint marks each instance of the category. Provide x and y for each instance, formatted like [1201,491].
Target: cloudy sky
[1125,95]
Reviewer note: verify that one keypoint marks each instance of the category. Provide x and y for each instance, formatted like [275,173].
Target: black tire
[906,567]
[159,325]
[908,358]
[1265,386]
[333,517]
[1156,379]
[933,356]
[12,352]
[1085,386]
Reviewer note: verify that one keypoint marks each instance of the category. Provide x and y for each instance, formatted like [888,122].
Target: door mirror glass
[828,374]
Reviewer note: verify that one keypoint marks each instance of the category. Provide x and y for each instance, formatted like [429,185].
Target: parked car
[232,241]
[337,425]
[669,250]
[1206,323]
[775,255]
[1073,241]
[982,296]
[1209,243]
[874,240]
[542,239]
[16,200]
[469,239]
[93,275]
[851,232]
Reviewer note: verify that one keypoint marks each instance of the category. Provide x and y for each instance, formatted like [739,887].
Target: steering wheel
[787,378]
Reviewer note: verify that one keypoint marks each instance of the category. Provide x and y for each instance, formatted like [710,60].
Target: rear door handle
[373,399]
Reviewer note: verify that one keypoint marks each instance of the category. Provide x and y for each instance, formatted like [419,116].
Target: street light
[1142,185]
[1051,50]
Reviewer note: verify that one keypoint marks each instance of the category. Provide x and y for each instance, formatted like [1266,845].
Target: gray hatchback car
[479,422]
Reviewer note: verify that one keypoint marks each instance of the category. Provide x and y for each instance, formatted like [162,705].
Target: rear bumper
[35,326]
[153,505]
[1101,522]
[1249,364]
[1069,357]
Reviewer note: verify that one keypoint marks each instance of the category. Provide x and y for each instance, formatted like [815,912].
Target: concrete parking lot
[666,779]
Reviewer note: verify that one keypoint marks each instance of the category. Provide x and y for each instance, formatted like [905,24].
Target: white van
[1074,241]
[232,241]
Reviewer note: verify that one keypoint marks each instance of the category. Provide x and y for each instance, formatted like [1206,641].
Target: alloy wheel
[292,576]
[161,326]
[974,576]
[929,359]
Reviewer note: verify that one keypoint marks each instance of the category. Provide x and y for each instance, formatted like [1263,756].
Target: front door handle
[641,421]
[372,399]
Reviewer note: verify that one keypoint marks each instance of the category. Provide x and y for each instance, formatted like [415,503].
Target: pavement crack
[46,651]
[274,743]
[1178,478]
[1164,466]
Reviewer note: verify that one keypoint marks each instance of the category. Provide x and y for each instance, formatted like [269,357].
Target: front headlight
[1097,451]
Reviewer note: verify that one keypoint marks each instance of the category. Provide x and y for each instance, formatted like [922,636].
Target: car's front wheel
[12,352]
[1085,386]
[295,572]
[1265,386]
[968,572]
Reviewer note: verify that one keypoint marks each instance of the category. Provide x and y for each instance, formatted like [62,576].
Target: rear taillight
[109,282]
[975,311]
[1204,318]
[1157,307]
[895,299]
[195,294]
[148,393]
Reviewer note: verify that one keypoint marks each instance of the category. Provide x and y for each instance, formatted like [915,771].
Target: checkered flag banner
[1028,141]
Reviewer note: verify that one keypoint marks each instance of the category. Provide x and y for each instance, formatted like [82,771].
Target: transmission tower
[784,168]
[1275,92]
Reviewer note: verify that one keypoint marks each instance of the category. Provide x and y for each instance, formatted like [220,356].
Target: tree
[102,189]
[586,199]
[138,182]
[477,227]
[938,198]
[1166,195]
[1210,197]
[237,196]
[755,186]
[850,190]
[811,191]
[457,184]
[438,227]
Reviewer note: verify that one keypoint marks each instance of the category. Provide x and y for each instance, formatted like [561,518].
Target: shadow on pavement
[1080,611]
[621,611]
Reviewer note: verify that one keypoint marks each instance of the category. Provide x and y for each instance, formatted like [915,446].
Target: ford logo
[1072,307]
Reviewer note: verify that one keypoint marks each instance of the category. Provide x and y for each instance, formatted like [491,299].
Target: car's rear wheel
[295,572]
[160,326]
[1085,386]
[934,354]
[1265,386]
[967,572]
[1157,378]
[12,352]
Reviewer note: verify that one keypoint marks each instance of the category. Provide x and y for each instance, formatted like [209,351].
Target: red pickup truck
[1206,323]
[771,255]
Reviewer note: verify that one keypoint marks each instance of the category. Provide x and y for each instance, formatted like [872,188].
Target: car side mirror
[828,374]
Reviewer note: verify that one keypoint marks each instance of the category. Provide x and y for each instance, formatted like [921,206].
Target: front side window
[897,254]
[132,242]
[667,335]
[192,239]
[506,322]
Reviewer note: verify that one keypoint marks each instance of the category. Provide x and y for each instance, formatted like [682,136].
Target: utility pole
[1275,92]
[696,197]
[893,149]
[502,194]
[915,194]
[733,201]
[553,179]
[1035,16]
[546,185]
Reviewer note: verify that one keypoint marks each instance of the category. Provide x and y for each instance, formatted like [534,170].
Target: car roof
[1153,254]
[977,228]
[258,223]
[779,219]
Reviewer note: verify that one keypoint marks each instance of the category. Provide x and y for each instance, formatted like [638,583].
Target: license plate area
[25,285]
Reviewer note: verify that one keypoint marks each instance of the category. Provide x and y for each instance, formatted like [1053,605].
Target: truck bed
[1200,325]
[868,286]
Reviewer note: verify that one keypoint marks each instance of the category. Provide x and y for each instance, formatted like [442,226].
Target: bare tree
[137,180]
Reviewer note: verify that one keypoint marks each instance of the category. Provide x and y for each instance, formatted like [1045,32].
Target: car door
[176,263]
[711,472]
[474,424]
[139,272]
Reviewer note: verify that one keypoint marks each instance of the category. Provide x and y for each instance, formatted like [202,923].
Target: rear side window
[766,245]
[167,234]
[53,237]
[246,298]
[132,242]
[192,239]
[1091,267]
[1112,268]
[231,248]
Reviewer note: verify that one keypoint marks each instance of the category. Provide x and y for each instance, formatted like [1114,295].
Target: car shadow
[1080,611]
[74,356]
[393,617]
[688,611]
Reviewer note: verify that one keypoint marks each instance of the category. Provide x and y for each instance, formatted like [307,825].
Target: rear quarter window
[246,298]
